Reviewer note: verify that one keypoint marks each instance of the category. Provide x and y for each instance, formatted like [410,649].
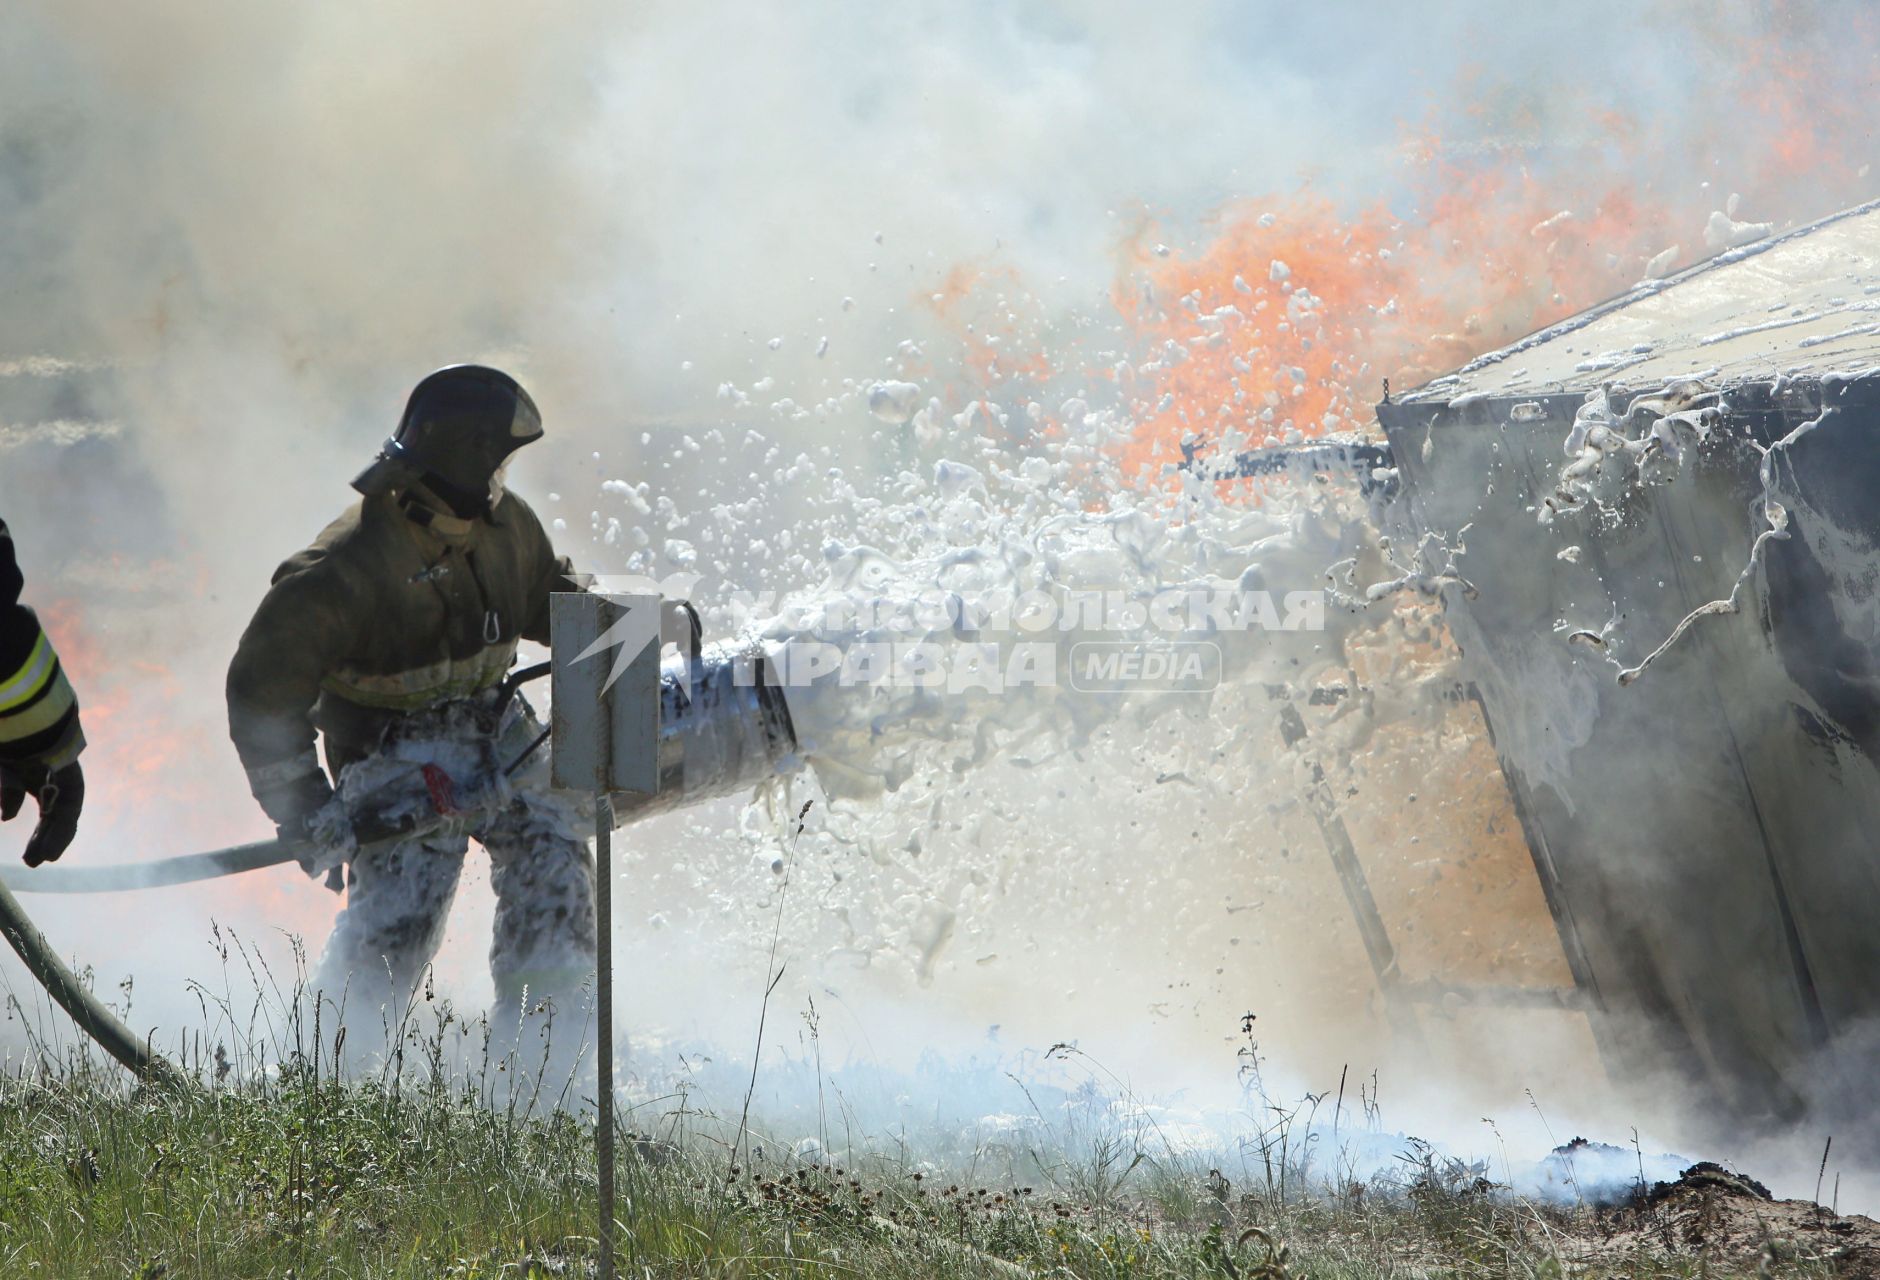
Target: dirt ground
[1730,1223]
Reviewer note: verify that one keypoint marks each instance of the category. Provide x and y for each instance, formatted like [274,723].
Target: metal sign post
[605,719]
[604,1024]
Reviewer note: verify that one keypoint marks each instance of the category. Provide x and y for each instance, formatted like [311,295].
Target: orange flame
[1288,323]
[1287,319]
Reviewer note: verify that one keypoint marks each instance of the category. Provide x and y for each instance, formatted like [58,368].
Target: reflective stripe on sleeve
[31,677]
[37,715]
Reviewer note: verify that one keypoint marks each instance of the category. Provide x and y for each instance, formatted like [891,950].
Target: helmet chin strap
[426,510]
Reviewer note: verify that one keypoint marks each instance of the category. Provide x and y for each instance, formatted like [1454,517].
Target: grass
[275,1164]
[314,1177]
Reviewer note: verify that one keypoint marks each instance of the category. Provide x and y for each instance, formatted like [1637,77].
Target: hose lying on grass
[91,1016]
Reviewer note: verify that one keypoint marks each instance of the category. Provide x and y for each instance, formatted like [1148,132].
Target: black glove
[313,857]
[293,810]
[61,796]
[325,849]
[328,838]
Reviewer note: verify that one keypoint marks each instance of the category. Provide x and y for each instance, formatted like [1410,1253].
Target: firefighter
[396,627]
[40,736]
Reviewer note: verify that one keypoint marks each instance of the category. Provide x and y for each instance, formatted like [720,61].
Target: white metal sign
[606,692]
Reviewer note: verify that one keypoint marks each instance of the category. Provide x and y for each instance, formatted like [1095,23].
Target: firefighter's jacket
[394,608]
[38,711]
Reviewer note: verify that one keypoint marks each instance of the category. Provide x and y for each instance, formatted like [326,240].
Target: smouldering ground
[305,1177]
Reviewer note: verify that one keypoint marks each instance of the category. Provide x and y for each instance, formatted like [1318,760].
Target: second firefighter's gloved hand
[60,794]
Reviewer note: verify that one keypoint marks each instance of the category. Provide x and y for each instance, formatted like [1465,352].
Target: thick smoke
[254,225]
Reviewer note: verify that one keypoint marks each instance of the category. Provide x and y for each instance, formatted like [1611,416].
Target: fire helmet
[460,426]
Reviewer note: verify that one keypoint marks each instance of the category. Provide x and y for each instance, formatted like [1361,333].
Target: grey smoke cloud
[299,207]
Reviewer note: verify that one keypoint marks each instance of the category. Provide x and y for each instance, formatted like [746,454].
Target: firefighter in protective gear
[398,622]
[40,736]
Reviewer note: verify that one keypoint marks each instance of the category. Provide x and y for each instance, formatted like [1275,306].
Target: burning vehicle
[1672,627]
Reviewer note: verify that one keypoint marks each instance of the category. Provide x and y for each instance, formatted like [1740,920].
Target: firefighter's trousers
[542,948]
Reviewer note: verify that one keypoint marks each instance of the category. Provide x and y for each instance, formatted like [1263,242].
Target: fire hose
[724,727]
[84,1008]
